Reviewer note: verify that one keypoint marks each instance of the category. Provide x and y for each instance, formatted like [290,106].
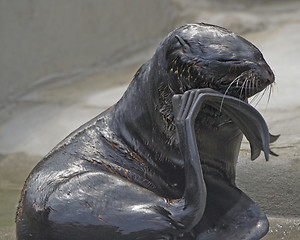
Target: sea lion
[160,164]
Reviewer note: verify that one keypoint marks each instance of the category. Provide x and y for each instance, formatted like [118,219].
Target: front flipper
[249,120]
[246,117]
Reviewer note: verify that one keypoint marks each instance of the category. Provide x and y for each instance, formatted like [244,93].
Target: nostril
[269,73]
[270,81]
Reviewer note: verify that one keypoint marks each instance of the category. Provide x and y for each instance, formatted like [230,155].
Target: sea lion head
[201,55]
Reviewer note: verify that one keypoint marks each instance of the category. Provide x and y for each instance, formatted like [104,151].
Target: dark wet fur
[122,174]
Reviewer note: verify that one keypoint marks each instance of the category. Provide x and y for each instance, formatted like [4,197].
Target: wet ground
[35,123]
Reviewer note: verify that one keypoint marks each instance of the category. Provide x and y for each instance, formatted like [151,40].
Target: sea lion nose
[267,73]
[271,74]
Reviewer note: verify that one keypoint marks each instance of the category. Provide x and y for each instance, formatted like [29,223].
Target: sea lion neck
[139,114]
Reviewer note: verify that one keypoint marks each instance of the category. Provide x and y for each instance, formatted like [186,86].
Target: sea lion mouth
[240,79]
[246,84]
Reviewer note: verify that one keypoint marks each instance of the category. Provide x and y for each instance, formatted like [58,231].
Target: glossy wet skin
[141,171]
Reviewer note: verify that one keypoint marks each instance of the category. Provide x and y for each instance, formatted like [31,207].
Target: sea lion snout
[258,78]
[268,74]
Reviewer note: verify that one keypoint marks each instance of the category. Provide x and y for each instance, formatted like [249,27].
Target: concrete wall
[40,38]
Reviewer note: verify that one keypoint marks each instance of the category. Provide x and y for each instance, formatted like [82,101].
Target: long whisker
[254,98]
[263,93]
[242,88]
[247,88]
[270,92]
[269,95]
[227,89]
[237,82]
[254,89]
[254,85]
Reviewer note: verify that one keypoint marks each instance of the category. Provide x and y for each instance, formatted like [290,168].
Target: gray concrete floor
[33,125]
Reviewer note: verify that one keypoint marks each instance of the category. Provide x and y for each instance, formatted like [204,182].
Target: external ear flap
[183,43]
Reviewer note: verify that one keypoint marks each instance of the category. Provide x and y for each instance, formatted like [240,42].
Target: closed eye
[227,60]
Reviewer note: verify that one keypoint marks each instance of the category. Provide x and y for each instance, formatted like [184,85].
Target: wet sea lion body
[160,164]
